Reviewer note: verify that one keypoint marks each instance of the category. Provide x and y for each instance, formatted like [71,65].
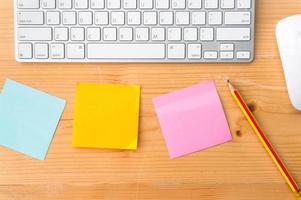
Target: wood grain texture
[239,170]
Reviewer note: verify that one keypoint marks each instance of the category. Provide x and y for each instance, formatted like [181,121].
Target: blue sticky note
[28,119]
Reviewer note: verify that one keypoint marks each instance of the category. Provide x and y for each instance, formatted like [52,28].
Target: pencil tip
[230,85]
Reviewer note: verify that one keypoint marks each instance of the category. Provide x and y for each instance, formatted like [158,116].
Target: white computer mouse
[288,34]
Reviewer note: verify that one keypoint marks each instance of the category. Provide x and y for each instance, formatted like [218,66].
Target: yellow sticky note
[106,116]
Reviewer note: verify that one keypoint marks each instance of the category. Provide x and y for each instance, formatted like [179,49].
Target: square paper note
[192,119]
[28,119]
[106,116]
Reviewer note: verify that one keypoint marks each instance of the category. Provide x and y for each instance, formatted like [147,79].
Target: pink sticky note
[192,119]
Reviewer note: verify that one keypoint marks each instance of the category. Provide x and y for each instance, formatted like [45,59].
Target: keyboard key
[126,34]
[97,4]
[75,51]
[226,47]
[101,18]
[244,3]
[25,50]
[243,55]
[85,18]
[26,4]
[126,51]
[48,4]
[162,4]
[166,18]
[93,34]
[211,4]
[142,34]
[113,4]
[237,18]
[69,18]
[61,34]
[198,18]
[226,55]
[206,34]
[194,4]
[57,51]
[210,54]
[227,4]
[158,34]
[176,51]
[182,18]
[81,4]
[117,18]
[30,18]
[77,34]
[234,34]
[130,4]
[41,51]
[178,4]
[174,34]
[35,34]
[134,18]
[150,18]
[146,4]
[190,34]
[215,18]
[53,18]
[194,51]
[110,34]
[65,4]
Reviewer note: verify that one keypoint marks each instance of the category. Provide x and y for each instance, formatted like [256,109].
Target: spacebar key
[126,51]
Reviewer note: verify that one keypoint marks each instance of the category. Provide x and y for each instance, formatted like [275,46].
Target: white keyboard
[134,30]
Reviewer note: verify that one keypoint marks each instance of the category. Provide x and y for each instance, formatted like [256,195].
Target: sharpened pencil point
[230,85]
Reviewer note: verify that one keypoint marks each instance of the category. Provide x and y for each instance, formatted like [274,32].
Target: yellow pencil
[264,140]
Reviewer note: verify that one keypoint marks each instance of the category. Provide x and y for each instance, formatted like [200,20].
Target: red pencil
[264,140]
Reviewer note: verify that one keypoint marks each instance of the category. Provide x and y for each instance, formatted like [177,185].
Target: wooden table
[238,170]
